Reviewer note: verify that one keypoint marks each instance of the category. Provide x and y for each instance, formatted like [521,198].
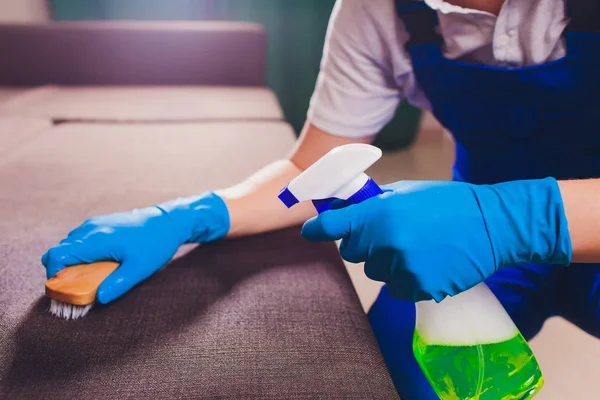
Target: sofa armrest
[133,53]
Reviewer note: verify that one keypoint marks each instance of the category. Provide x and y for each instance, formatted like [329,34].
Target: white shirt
[366,71]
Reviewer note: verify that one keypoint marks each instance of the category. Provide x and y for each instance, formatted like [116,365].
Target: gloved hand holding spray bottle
[467,345]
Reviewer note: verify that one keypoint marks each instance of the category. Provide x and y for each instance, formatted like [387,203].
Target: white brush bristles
[68,311]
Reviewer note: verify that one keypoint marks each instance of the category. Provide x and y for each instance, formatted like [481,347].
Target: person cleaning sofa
[516,84]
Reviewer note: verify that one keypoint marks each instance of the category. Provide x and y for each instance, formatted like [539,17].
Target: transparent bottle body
[470,349]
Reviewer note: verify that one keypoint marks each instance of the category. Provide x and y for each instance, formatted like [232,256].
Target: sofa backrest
[133,53]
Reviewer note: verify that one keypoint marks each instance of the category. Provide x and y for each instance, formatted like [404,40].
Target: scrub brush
[72,291]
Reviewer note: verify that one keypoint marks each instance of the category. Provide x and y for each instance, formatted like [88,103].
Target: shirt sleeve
[356,93]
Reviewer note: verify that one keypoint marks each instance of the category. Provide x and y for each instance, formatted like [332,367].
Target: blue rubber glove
[429,240]
[142,240]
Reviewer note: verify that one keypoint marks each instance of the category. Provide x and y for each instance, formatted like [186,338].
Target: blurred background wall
[23,10]
[296,31]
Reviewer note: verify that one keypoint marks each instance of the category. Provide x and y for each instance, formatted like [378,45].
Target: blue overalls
[508,124]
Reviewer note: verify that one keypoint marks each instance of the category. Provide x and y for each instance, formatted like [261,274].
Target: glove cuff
[526,222]
[198,219]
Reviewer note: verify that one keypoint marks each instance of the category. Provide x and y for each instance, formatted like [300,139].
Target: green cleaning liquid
[470,349]
[494,371]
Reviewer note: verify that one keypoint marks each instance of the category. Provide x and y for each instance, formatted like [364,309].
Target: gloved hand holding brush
[142,240]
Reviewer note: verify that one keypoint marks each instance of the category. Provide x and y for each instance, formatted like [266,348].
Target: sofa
[101,117]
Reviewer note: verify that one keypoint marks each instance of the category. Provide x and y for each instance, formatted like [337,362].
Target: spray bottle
[467,345]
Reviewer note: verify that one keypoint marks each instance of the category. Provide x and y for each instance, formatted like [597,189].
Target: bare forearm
[581,199]
[253,204]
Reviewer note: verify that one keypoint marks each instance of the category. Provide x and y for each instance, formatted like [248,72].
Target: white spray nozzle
[339,174]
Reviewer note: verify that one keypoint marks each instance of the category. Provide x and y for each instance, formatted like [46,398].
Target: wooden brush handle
[78,284]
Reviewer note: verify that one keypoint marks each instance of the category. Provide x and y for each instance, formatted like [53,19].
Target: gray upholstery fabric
[8,93]
[145,104]
[133,53]
[15,130]
[269,317]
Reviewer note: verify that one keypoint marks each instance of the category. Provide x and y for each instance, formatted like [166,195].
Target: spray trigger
[337,176]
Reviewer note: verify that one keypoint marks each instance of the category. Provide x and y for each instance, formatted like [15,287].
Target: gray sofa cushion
[133,53]
[16,130]
[8,93]
[266,317]
[145,104]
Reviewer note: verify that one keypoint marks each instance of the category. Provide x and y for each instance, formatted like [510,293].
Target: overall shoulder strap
[420,21]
